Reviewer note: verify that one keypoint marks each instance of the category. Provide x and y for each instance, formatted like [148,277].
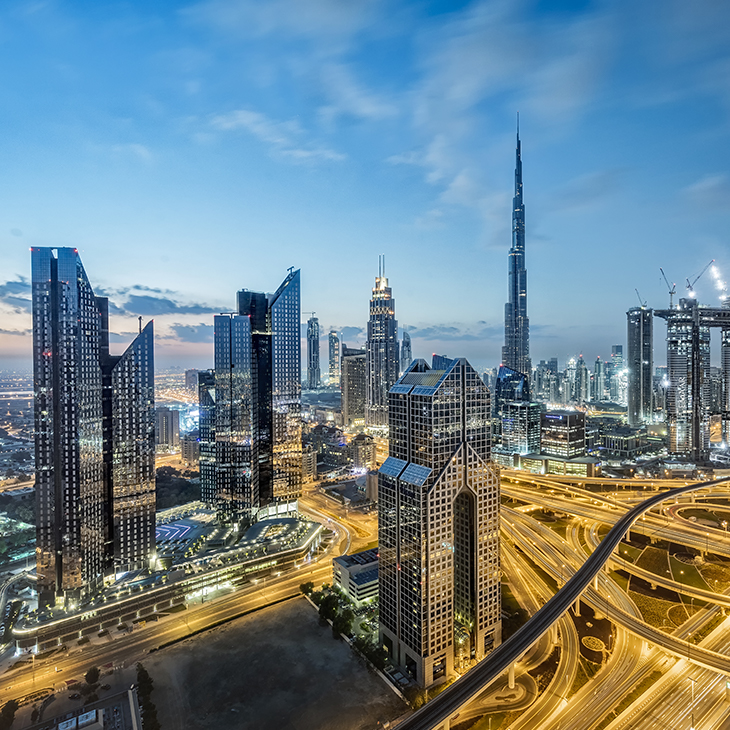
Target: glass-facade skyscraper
[314,377]
[516,350]
[353,385]
[406,353]
[95,435]
[383,363]
[438,523]
[334,360]
[640,364]
[206,427]
[258,432]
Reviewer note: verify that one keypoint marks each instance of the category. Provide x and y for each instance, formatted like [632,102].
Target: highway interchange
[689,678]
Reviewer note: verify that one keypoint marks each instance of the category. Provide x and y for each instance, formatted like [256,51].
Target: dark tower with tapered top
[516,350]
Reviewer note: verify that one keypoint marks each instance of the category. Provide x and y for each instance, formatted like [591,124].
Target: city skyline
[397,138]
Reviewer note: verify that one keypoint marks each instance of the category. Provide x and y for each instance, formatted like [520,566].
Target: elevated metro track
[440,710]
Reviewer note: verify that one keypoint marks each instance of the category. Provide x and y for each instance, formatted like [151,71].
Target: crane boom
[670,287]
[690,286]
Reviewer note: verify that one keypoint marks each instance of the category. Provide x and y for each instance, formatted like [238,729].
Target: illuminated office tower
[516,350]
[167,432]
[599,380]
[438,518]
[406,354]
[640,364]
[353,386]
[95,436]
[334,353]
[206,428]
[521,427]
[258,432]
[581,389]
[383,362]
[563,433]
[314,378]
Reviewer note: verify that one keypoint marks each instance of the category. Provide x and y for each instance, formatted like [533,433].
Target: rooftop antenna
[140,325]
[383,265]
[671,289]
[290,269]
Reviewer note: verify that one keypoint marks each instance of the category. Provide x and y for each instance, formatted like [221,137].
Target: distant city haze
[192,150]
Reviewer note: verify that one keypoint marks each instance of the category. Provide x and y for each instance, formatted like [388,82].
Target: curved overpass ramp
[441,709]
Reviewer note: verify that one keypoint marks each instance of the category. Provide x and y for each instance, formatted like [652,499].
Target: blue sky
[192,149]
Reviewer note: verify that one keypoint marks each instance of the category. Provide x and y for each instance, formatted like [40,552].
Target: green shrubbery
[144,691]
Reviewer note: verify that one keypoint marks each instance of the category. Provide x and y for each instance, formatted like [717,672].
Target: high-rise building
[383,363]
[353,386]
[598,383]
[521,427]
[95,435]
[516,350]
[167,432]
[314,378]
[640,364]
[510,385]
[191,380]
[563,434]
[440,362]
[406,353]
[258,432]
[618,376]
[438,523]
[206,427]
[334,353]
[581,390]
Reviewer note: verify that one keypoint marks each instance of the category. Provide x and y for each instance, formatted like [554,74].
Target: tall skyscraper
[353,385]
[314,378]
[598,383]
[206,427]
[438,523]
[516,350]
[258,434]
[167,432]
[334,353]
[640,364]
[383,363]
[95,435]
[406,354]
[582,381]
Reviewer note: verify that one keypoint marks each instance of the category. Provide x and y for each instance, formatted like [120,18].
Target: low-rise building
[357,575]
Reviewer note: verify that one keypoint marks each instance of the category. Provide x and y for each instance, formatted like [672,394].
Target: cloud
[711,192]
[332,20]
[16,294]
[122,337]
[589,189]
[16,332]
[349,98]
[152,306]
[282,137]
[457,332]
[134,150]
[193,332]
[350,334]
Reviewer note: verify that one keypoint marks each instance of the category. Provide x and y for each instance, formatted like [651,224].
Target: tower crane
[690,285]
[672,289]
[641,301]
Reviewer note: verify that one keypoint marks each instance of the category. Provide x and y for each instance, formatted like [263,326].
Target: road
[437,712]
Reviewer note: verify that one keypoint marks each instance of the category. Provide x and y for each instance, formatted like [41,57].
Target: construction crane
[690,285]
[641,301]
[672,289]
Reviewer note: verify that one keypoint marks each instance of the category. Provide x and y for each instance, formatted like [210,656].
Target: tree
[8,714]
[92,676]
[307,588]
[328,607]
[342,623]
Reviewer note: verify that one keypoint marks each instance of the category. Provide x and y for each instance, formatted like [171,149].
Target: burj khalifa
[516,350]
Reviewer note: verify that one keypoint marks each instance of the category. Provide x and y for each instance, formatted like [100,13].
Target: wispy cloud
[589,189]
[348,98]
[283,138]
[710,192]
[15,293]
[193,332]
[152,306]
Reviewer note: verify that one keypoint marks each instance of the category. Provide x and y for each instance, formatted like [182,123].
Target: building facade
[521,427]
[353,386]
[406,352]
[334,360]
[258,431]
[314,376]
[640,364]
[383,363]
[516,350]
[167,432]
[95,435]
[563,434]
[438,517]
[206,427]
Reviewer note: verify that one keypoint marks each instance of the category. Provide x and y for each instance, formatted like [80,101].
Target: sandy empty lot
[276,669]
